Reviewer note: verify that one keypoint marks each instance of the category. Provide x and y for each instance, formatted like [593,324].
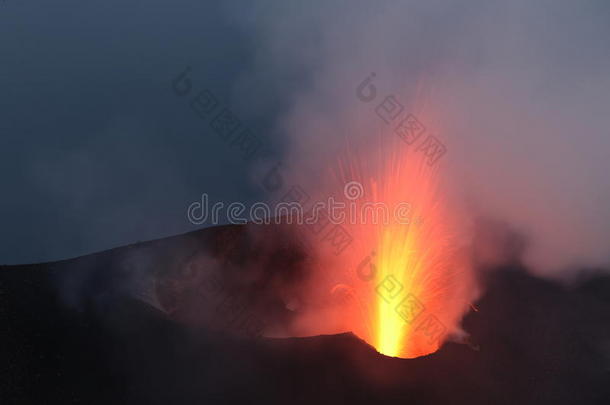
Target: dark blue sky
[95,148]
[97,151]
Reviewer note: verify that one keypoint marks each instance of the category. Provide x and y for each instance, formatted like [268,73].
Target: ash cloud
[517,91]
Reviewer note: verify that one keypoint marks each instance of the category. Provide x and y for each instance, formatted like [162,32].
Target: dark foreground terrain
[538,343]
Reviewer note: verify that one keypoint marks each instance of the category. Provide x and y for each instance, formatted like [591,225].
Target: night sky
[96,149]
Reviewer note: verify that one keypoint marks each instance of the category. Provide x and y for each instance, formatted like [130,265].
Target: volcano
[144,324]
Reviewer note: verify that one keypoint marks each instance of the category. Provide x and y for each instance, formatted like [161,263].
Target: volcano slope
[77,331]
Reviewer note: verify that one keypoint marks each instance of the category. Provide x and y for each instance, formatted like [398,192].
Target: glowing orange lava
[412,290]
[404,283]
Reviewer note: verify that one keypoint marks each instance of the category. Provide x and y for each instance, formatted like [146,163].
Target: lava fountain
[405,272]
[418,281]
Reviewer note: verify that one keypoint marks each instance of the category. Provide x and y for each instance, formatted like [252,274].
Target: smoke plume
[517,92]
